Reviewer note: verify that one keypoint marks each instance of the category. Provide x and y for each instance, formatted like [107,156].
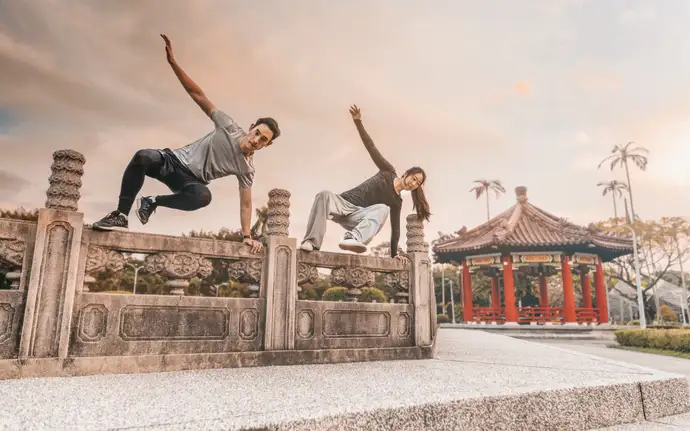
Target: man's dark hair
[271,124]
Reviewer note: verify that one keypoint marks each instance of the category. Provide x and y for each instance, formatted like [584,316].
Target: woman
[363,210]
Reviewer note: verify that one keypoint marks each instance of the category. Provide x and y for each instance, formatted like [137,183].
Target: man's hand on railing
[254,244]
[405,260]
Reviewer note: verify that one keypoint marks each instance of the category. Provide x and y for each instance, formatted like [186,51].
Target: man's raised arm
[375,154]
[194,91]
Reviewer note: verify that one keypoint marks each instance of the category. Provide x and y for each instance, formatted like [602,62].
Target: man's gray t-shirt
[218,154]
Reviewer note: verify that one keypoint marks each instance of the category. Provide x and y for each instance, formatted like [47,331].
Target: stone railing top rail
[15,229]
[324,259]
[137,242]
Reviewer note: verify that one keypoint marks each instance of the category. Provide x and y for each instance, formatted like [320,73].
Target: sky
[532,93]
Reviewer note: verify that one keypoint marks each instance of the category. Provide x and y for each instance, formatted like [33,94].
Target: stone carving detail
[415,235]
[165,322]
[65,182]
[249,324]
[278,223]
[245,271]
[399,281]
[6,321]
[350,323]
[93,322]
[181,266]
[306,274]
[404,324]
[305,324]
[99,259]
[11,258]
[353,279]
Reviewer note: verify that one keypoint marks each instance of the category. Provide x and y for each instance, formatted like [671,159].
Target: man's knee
[204,197]
[145,157]
[199,196]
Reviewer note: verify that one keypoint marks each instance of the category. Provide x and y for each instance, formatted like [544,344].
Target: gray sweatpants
[362,223]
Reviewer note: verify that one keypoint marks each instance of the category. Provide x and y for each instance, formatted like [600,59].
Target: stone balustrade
[53,321]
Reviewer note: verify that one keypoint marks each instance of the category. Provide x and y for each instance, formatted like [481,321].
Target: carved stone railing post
[420,284]
[279,279]
[180,267]
[99,259]
[52,286]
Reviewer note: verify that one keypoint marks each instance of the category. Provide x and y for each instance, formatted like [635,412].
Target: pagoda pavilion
[527,240]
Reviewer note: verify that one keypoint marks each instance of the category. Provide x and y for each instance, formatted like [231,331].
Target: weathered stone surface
[65,182]
[11,306]
[415,235]
[665,398]
[326,324]
[280,289]
[325,259]
[278,223]
[113,324]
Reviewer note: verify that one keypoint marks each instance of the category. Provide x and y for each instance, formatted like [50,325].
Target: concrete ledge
[84,366]
[566,409]
[665,398]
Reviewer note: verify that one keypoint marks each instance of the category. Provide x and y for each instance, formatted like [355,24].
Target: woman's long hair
[419,202]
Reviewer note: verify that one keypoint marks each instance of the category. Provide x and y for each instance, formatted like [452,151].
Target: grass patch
[654,351]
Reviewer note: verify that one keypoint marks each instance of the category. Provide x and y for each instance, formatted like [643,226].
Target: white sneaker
[307,246]
[351,244]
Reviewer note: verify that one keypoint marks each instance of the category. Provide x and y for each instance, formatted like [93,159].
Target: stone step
[477,381]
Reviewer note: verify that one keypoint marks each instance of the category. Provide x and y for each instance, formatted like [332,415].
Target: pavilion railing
[484,314]
[540,314]
[587,315]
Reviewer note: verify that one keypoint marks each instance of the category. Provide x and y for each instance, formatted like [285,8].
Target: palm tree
[483,187]
[615,187]
[620,156]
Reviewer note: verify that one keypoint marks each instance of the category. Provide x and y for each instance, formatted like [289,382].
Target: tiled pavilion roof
[525,227]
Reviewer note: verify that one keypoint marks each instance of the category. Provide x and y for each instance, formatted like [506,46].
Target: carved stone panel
[182,265]
[352,277]
[100,258]
[65,182]
[245,271]
[138,323]
[52,290]
[305,324]
[306,274]
[93,323]
[12,253]
[249,324]
[404,325]
[350,323]
[6,321]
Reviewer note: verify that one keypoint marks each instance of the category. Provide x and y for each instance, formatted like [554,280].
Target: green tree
[483,187]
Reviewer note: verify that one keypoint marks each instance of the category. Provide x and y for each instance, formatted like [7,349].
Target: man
[363,210]
[227,150]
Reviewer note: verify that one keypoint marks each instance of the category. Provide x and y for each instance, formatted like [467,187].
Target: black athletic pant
[189,193]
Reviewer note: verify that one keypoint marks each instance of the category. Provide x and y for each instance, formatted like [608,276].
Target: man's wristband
[246,237]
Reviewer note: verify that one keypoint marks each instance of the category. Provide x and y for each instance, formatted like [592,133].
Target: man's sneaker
[349,243]
[113,221]
[145,207]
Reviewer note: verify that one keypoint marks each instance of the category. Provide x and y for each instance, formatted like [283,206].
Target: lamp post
[640,299]
[684,293]
[136,272]
[452,300]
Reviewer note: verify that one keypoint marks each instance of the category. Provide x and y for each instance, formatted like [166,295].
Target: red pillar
[467,314]
[586,288]
[495,295]
[568,292]
[600,290]
[509,290]
[543,292]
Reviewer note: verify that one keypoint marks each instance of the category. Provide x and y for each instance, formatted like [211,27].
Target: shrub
[665,339]
[371,294]
[442,318]
[334,294]
[634,323]
[667,315]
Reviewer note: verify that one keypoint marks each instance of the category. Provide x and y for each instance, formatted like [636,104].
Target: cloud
[11,185]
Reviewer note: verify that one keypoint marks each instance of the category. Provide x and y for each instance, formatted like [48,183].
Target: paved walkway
[471,365]
[664,363]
